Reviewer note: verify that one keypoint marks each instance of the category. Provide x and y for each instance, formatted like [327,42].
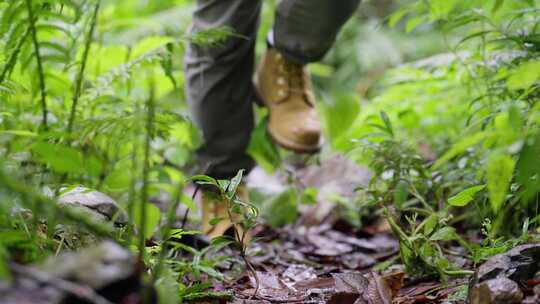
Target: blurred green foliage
[439,98]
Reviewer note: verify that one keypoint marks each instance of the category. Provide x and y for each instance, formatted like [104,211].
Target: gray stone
[96,266]
[81,274]
[518,264]
[102,206]
[496,291]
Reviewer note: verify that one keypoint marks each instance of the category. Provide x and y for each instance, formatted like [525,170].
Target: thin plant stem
[132,185]
[41,72]
[171,216]
[145,178]
[12,60]
[134,166]
[186,213]
[146,168]
[80,74]
[243,250]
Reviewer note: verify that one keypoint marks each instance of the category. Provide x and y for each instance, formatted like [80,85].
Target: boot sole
[280,140]
[293,146]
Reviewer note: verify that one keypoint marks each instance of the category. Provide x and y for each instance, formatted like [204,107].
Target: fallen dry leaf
[395,281]
[416,294]
[326,246]
[369,289]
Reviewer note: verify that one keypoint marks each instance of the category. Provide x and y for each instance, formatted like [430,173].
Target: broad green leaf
[281,209]
[92,166]
[514,118]
[152,218]
[397,16]
[23,133]
[441,8]
[60,158]
[444,234]
[221,241]
[321,70]
[414,22]
[499,170]
[339,114]
[235,182]
[181,131]
[119,179]
[216,221]
[431,223]
[262,149]
[497,5]
[506,131]
[309,196]
[178,155]
[524,76]
[465,197]
[104,58]
[205,179]
[460,147]
[401,193]
[528,166]
[149,44]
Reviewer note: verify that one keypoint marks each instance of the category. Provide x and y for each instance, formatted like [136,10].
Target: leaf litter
[322,259]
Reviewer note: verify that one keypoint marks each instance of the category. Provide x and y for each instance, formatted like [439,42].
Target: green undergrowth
[452,139]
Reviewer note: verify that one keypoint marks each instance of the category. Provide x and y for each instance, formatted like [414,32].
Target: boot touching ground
[215,206]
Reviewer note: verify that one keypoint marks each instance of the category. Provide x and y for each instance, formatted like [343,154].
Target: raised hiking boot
[216,207]
[285,88]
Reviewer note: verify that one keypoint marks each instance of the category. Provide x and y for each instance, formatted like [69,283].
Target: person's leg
[304,30]
[218,84]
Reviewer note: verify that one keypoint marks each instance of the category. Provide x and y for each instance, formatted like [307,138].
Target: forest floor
[321,258]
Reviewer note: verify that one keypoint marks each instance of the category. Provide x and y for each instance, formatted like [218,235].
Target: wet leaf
[465,197]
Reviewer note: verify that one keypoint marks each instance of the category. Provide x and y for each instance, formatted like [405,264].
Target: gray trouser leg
[304,30]
[218,79]
[218,84]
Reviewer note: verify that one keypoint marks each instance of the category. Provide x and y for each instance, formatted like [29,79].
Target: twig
[80,291]
[274,300]
[80,75]
[41,73]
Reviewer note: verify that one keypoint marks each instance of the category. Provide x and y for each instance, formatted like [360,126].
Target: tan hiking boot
[216,207]
[285,88]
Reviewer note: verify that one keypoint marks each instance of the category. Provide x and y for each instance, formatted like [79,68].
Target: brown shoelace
[295,77]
